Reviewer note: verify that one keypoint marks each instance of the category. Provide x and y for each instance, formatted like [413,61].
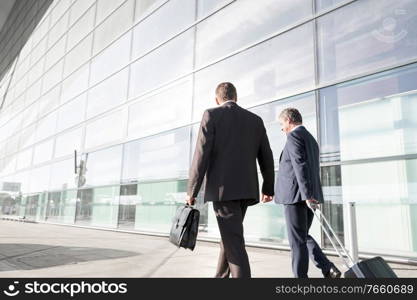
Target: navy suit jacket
[299,169]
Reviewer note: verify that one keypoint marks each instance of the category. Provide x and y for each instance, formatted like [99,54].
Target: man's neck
[227,101]
[295,127]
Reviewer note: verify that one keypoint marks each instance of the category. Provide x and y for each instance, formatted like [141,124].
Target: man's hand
[190,200]
[313,203]
[266,198]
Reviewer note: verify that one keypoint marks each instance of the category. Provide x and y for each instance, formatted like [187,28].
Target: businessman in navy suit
[298,182]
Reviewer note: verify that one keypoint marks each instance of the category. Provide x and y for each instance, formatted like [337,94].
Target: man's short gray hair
[292,114]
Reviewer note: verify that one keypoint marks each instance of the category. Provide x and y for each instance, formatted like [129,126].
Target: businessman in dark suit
[230,140]
[298,184]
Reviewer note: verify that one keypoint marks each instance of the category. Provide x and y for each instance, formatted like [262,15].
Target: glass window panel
[53,207]
[72,113]
[384,189]
[39,179]
[78,55]
[31,207]
[24,159]
[206,7]
[108,94]
[62,175]
[28,136]
[68,142]
[106,7]
[322,5]
[52,76]
[58,30]
[81,28]
[43,152]
[12,144]
[166,63]
[99,207]
[370,117]
[55,53]
[241,20]
[305,103]
[143,6]
[157,204]
[333,201]
[104,166]
[111,59]
[382,38]
[168,20]
[10,164]
[30,114]
[167,108]
[68,206]
[38,51]
[116,24]
[158,157]
[127,206]
[59,9]
[75,84]
[277,68]
[21,181]
[78,8]
[46,126]
[106,129]
[50,101]
[34,74]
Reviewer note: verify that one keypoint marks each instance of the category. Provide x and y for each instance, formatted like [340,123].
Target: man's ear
[217,101]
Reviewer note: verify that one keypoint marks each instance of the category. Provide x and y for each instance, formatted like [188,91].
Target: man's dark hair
[226,91]
[293,115]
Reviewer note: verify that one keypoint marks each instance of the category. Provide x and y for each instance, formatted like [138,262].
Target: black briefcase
[185,227]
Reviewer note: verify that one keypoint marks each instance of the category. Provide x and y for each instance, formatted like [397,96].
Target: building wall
[125,84]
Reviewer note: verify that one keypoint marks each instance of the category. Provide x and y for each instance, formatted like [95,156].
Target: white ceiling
[5,7]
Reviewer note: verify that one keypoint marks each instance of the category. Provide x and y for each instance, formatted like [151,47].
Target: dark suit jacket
[299,169]
[229,141]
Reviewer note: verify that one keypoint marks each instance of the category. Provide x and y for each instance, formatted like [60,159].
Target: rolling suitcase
[375,267]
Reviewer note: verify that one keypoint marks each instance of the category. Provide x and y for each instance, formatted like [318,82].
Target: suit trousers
[299,218]
[233,257]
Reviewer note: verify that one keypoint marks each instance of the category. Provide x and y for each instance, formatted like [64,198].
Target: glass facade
[125,82]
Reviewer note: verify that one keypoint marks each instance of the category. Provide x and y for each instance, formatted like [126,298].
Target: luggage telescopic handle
[349,261]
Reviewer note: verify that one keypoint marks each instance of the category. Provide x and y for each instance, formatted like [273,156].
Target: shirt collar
[296,127]
[228,101]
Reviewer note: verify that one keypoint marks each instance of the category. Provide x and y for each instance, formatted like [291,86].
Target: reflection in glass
[104,166]
[166,63]
[157,204]
[110,59]
[171,18]
[239,25]
[62,175]
[106,129]
[98,207]
[53,209]
[382,33]
[108,94]
[166,109]
[269,113]
[127,206]
[331,181]
[370,117]
[276,68]
[161,156]
[386,198]
[117,23]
